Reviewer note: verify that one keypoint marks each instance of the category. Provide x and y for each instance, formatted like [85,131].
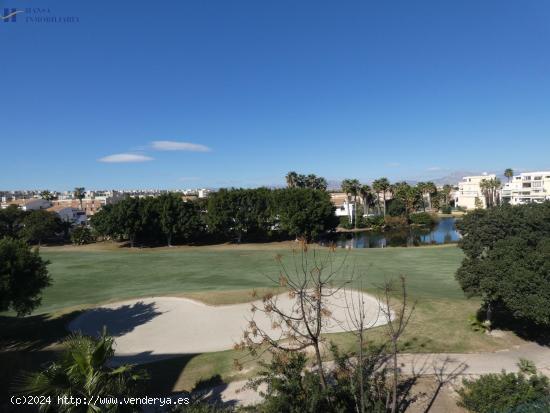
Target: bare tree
[310,282]
[357,320]
[397,320]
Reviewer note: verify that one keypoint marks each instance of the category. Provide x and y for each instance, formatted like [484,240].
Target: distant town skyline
[237,94]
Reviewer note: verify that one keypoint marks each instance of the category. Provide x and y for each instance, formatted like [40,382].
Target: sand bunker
[154,328]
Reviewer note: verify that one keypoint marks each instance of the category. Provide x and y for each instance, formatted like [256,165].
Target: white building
[469,191]
[343,207]
[527,187]
[27,204]
[68,214]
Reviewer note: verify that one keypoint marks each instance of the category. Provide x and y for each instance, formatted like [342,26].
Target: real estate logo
[35,15]
[10,15]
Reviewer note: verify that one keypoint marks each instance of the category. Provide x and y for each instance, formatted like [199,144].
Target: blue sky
[356,89]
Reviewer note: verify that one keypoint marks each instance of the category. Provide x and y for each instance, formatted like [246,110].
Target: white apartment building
[469,190]
[527,187]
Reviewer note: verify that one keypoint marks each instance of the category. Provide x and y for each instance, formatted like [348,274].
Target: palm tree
[509,173]
[382,185]
[366,193]
[47,195]
[446,191]
[490,189]
[291,179]
[83,371]
[321,183]
[485,187]
[422,187]
[79,193]
[431,190]
[495,189]
[351,188]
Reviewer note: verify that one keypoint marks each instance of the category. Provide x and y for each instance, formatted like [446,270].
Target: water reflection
[444,232]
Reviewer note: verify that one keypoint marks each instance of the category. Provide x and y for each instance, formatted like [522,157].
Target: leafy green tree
[23,276]
[81,235]
[129,218]
[83,371]
[506,261]
[39,225]
[47,195]
[178,218]
[303,212]
[170,209]
[506,392]
[240,213]
[11,221]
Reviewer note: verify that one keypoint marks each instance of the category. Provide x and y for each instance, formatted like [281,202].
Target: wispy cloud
[125,158]
[179,146]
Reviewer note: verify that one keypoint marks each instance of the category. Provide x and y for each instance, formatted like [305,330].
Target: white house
[527,187]
[28,204]
[344,208]
[68,214]
[469,191]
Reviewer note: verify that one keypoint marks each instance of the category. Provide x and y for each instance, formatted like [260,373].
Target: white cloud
[125,158]
[179,146]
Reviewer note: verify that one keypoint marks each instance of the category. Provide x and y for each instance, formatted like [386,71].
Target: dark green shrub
[446,209]
[506,392]
[422,218]
[345,223]
[81,236]
[396,208]
[375,222]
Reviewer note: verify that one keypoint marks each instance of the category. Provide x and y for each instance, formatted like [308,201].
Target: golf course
[98,274]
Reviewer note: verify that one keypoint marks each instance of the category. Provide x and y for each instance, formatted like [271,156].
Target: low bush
[376,221]
[446,209]
[345,223]
[395,222]
[422,218]
[526,391]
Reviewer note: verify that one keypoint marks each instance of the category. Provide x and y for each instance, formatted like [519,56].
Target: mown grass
[92,276]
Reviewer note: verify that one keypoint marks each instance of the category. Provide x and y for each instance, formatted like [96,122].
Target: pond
[444,232]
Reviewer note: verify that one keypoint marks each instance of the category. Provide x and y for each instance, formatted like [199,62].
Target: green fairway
[90,276]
